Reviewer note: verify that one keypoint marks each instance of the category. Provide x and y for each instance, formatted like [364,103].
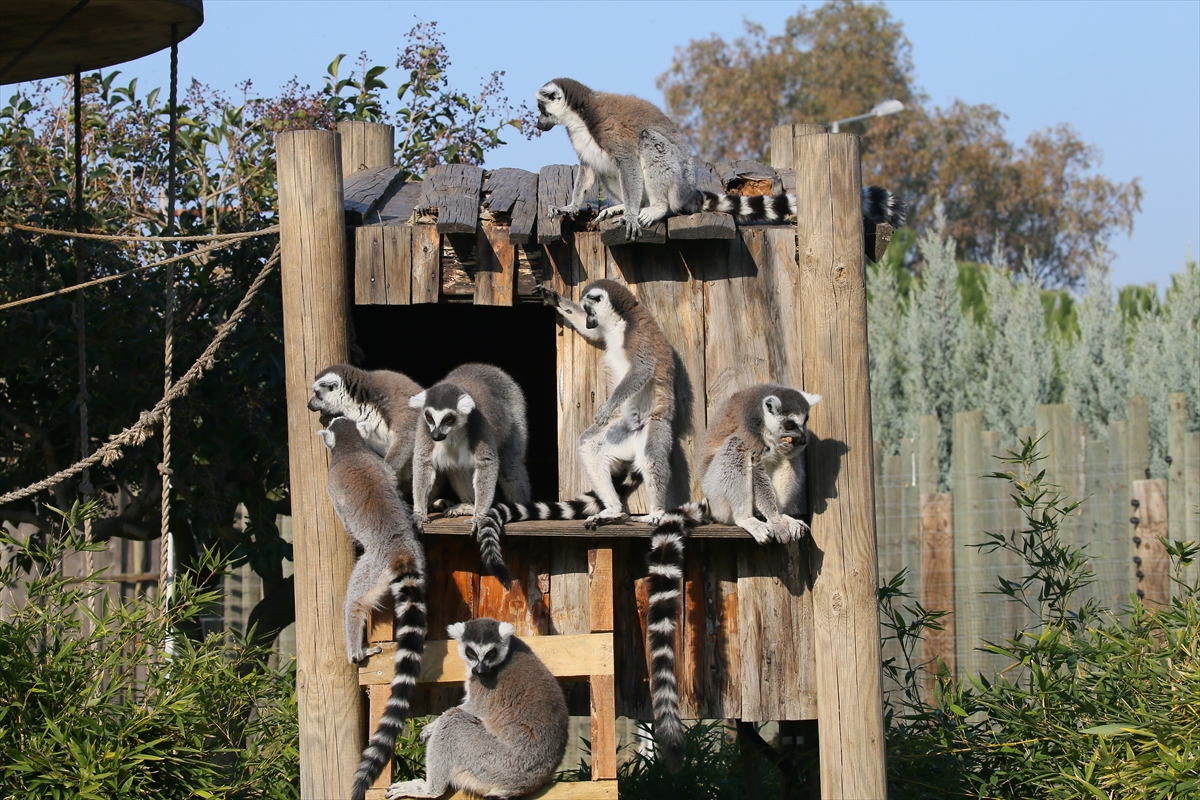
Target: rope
[105,237]
[166,566]
[182,257]
[141,430]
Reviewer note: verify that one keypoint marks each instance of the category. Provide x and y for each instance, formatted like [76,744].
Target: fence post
[315,306]
[1153,585]
[937,575]
[833,320]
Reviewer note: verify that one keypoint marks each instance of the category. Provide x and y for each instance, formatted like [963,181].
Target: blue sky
[1126,75]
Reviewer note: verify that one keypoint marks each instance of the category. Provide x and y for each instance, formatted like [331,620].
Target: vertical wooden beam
[316,297]
[833,319]
[1138,456]
[910,516]
[937,575]
[927,455]
[969,581]
[1177,433]
[604,708]
[496,269]
[1153,585]
[1119,511]
[1192,503]
[366,145]
[781,141]
[426,263]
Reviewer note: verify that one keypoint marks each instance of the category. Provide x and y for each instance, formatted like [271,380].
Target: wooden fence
[1122,515]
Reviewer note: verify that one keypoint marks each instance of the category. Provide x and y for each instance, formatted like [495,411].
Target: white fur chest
[452,454]
[374,430]
[614,352]
[588,149]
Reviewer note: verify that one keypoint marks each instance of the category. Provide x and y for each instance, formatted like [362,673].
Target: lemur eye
[428,417]
[471,653]
[449,420]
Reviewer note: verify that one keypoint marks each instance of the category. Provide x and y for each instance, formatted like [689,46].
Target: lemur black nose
[311,407]
[438,436]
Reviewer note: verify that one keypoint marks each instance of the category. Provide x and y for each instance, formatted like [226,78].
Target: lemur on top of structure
[644,162]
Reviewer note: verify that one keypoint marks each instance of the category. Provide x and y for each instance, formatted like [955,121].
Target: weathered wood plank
[511,197]
[704,225]
[1153,583]
[1177,435]
[453,189]
[1138,455]
[748,178]
[603,688]
[775,626]
[452,587]
[781,144]
[370,281]
[832,315]
[600,589]
[613,232]
[630,599]
[553,191]
[1121,532]
[910,516]
[426,263]
[526,602]
[377,697]
[710,667]
[365,190]
[398,204]
[969,571]
[530,270]
[441,526]
[569,605]
[495,274]
[707,179]
[937,577]
[573,656]
[674,296]
[397,264]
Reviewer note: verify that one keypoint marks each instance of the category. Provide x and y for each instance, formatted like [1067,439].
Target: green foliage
[1094,704]
[91,707]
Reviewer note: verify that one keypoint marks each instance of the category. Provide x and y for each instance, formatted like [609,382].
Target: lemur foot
[461,510]
[760,530]
[605,517]
[795,530]
[441,504]
[654,518]
[564,211]
[363,655]
[650,215]
[410,789]
[611,211]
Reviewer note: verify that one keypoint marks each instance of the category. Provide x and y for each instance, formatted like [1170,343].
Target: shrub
[91,707]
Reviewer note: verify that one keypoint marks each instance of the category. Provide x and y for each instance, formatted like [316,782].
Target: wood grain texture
[937,576]
[365,145]
[377,697]
[397,205]
[613,232]
[383,265]
[1121,532]
[526,602]
[910,516]
[747,177]
[460,263]
[841,489]
[496,269]
[969,575]
[365,190]
[553,191]
[781,143]
[316,298]
[573,529]
[604,732]
[1177,436]
[593,790]
[511,197]
[1153,583]
[704,225]
[426,263]
[710,668]
[567,657]
[569,604]
[453,189]
[1138,441]
[600,589]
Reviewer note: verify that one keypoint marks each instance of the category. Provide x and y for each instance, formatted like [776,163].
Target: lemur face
[552,106]
[443,421]
[482,644]
[329,396]
[597,305]
[787,423]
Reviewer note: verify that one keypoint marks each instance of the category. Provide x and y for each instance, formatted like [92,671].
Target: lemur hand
[548,295]
[565,211]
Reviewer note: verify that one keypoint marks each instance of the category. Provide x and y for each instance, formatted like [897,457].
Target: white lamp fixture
[881,110]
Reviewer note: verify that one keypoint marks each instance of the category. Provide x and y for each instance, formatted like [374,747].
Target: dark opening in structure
[428,340]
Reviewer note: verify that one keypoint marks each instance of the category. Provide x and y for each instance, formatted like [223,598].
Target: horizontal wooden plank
[575,790]
[397,205]
[613,232]
[748,177]
[510,195]
[365,189]
[705,225]
[555,182]
[707,179]
[568,656]
[461,526]
[453,189]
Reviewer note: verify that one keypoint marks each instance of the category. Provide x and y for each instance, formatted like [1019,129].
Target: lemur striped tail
[487,532]
[408,591]
[666,571]
[584,506]
[878,205]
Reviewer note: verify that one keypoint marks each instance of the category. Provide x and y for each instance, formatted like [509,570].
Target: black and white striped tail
[666,572]
[878,205]
[408,591]
[584,506]
[488,531]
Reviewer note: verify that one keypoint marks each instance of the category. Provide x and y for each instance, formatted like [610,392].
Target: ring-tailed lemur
[378,402]
[644,161]
[363,490]
[474,433]
[631,438]
[510,732]
[752,461]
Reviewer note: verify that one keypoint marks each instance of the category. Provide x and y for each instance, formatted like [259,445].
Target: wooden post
[833,321]
[603,703]
[366,145]
[927,455]
[1119,512]
[1177,418]
[315,305]
[969,576]
[781,141]
[1153,585]
[937,575]
[1138,457]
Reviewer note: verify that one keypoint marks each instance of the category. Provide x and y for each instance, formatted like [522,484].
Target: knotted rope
[166,545]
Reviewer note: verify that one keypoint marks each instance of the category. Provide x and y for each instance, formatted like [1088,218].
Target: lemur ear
[506,630]
[772,404]
[811,399]
[456,630]
[328,436]
[466,404]
[417,401]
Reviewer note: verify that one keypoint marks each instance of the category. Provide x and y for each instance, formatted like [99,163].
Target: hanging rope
[141,430]
[111,237]
[166,554]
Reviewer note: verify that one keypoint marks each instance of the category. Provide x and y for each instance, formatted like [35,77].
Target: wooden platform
[581,790]
[461,526]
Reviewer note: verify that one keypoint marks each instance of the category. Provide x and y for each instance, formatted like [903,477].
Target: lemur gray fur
[508,736]
[362,487]
[644,162]
[377,401]
[631,438]
[752,461]
[473,432]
